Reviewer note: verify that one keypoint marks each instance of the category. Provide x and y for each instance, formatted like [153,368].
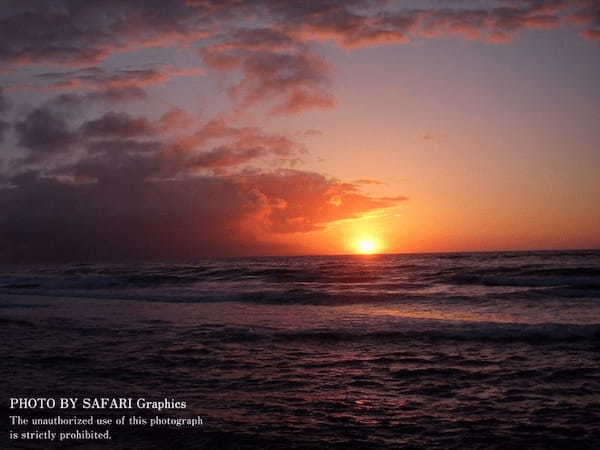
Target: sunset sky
[193,128]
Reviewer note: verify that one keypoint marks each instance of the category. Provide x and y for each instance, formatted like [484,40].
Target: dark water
[481,350]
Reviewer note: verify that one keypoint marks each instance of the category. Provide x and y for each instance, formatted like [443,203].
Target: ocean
[436,351]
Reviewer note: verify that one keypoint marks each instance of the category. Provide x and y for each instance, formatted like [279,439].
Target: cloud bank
[121,186]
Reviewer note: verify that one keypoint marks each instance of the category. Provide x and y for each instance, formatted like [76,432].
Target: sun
[365,246]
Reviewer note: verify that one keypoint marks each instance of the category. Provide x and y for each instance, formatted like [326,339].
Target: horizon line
[304,255]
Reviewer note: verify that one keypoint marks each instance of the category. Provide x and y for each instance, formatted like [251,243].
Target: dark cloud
[100,79]
[171,219]
[176,142]
[45,134]
[125,145]
[4,127]
[226,157]
[80,33]
[74,218]
[110,96]
[118,162]
[86,32]
[118,125]
[5,105]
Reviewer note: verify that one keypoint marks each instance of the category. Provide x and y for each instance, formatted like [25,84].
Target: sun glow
[366,246]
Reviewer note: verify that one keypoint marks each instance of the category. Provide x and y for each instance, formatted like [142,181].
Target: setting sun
[366,246]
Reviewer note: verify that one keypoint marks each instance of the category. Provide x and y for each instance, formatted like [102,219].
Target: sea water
[469,350]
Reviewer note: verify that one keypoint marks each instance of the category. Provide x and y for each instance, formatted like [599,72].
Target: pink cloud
[291,81]
[591,35]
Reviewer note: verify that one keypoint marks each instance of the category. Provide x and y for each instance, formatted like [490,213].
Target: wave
[384,294]
[293,296]
[445,332]
[574,281]
[321,280]
[423,330]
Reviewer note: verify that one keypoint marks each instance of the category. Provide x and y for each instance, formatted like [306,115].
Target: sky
[135,129]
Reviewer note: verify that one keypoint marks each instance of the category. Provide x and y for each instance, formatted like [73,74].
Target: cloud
[278,67]
[86,33]
[97,78]
[124,146]
[45,134]
[311,132]
[591,35]
[4,127]
[176,142]
[176,118]
[254,39]
[5,105]
[496,25]
[111,96]
[116,81]
[307,201]
[499,21]
[124,186]
[368,181]
[351,30]
[226,156]
[291,81]
[75,219]
[587,14]
[49,135]
[219,132]
[83,33]
[171,219]
[54,134]
[120,125]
